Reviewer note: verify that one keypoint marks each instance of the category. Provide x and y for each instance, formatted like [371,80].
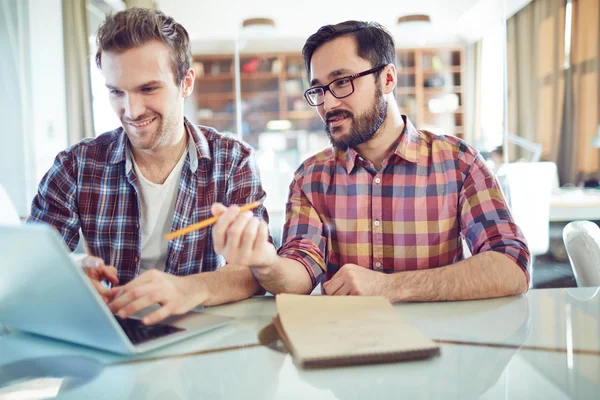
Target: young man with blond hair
[156,173]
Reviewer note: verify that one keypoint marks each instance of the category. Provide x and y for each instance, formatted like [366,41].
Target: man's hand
[173,293]
[242,238]
[95,269]
[354,280]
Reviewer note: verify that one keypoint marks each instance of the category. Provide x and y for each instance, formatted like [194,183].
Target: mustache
[337,114]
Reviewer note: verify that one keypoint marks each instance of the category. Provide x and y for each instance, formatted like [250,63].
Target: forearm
[285,276]
[227,284]
[485,275]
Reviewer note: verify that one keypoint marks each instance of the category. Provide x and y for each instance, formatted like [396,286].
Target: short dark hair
[375,43]
[137,26]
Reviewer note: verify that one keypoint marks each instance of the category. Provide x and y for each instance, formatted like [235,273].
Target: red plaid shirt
[93,187]
[410,215]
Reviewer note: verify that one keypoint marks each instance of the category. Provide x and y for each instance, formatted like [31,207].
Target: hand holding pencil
[207,222]
[241,237]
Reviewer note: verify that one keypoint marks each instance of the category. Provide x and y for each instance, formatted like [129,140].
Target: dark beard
[363,127]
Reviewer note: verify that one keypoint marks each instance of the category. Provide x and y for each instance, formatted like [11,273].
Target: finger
[104,292]
[158,315]
[343,290]
[262,236]
[333,285]
[217,209]
[109,273]
[220,229]
[136,299]
[235,232]
[92,262]
[144,279]
[248,238]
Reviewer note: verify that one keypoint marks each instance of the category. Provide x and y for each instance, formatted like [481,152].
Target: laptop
[43,291]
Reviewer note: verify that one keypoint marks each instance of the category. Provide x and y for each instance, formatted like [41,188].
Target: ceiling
[213,26]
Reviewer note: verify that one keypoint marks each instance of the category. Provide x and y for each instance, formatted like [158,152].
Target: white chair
[8,212]
[582,240]
[528,188]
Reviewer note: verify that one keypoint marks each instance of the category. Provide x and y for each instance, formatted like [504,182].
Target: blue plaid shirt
[93,187]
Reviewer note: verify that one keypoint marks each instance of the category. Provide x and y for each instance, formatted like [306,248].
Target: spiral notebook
[327,331]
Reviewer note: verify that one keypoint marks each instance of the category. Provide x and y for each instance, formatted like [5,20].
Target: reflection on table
[545,344]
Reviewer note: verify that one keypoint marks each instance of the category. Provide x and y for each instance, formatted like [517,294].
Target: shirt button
[377,180]
[378,264]
[377,222]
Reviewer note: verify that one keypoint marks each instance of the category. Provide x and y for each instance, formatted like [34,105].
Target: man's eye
[115,92]
[148,89]
[342,82]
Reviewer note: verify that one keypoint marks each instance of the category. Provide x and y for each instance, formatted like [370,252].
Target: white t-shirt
[157,205]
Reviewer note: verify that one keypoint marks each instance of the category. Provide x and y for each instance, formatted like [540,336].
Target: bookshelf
[430,90]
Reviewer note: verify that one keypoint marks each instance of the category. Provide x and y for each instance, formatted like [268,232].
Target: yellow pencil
[206,222]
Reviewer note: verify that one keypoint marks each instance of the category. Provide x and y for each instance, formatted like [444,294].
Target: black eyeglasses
[339,88]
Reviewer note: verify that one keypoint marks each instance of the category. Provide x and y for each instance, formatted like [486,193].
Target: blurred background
[516,79]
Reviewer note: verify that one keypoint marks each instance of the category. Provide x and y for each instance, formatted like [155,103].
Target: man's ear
[187,85]
[389,78]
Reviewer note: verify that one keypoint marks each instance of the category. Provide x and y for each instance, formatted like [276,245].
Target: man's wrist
[194,288]
[395,289]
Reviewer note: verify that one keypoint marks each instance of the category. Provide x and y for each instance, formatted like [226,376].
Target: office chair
[582,240]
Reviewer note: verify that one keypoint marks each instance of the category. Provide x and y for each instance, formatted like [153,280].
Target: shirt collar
[197,147]
[407,147]
[408,142]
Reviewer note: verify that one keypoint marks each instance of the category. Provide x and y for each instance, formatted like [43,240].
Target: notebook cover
[327,331]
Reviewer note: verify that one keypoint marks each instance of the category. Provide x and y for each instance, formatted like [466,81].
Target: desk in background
[571,204]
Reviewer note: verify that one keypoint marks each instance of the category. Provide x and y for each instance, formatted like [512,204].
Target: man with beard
[127,188]
[385,210]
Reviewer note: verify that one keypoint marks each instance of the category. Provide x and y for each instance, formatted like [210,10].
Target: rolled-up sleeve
[486,221]
[303,239]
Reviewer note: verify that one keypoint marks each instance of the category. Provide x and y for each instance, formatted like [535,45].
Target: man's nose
[134,107]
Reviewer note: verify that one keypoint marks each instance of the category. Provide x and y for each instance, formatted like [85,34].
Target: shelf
[296,75]
[258,75]
[459,110]
[260,115]
[267,91]
[443,89]
[452,69]
[405,90]
[406,71]
[215,96]
[217,77]
[302,114]
[217,117]
[270,94]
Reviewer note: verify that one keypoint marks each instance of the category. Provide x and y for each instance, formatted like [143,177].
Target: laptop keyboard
[138,333]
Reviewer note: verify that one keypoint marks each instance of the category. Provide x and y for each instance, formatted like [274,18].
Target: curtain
[553,93]
[584,71]
[535,76]
[77,71]
[473,101]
